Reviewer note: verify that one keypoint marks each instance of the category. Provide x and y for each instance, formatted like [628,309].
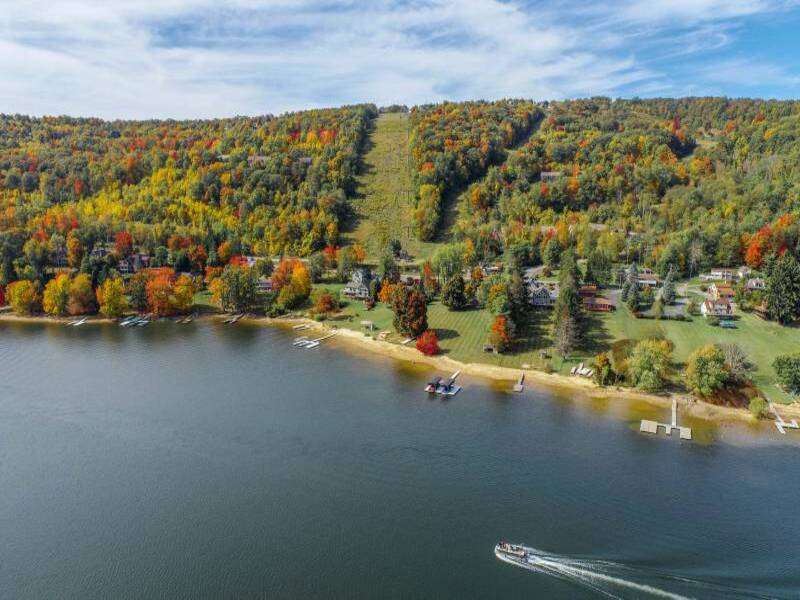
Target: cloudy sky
[208,58]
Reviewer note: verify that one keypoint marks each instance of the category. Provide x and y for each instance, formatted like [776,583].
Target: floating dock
[685,433]
[446,388]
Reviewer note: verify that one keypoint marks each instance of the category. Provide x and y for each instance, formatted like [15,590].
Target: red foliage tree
[123,244]
[2,295]
[428,343]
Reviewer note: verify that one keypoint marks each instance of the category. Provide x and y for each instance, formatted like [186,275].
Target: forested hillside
[686,182]
[262,185]
[453,144]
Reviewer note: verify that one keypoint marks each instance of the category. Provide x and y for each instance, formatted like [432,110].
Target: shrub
[758,407]
[428,343]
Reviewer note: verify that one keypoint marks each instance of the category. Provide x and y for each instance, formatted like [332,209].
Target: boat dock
[444,388]
[305,342]
[652,426]
[780,424]
[519,386]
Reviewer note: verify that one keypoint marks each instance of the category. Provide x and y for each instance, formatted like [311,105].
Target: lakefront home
[716,308]
[720,274]
[755,284]
[358,286]
[543,295]
[264,285]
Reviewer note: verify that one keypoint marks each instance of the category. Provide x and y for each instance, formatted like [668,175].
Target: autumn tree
[74,251]
[123,244]
[428,343]
[81,295]
[55,300]
[501,333]
[183,293]
[237,288]
[111,297]
[23,297]
[705,370]
[649,364]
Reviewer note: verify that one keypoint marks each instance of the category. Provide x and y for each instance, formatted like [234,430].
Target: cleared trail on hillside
[384,201]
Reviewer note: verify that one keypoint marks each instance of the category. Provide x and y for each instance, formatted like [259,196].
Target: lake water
[209,461]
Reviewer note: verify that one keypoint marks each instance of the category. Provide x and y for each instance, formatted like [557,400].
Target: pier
[780,424]
[519,386]
[652,426]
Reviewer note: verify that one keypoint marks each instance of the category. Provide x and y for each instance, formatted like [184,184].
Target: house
[755,284]
[133,264]
[543,295]
[60,260]
[99,251]
[744,272]
[264,285]
[716,308]
[549,175]
[597,304]
[646,277]
[721,292]
[358,286]
[720,274]
[588,290]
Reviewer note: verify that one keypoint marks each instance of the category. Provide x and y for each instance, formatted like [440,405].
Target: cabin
[358,286]
[587,290]
[716,308]
[646,277]
[721,292]
[60,260]
[543,295]
[597,304]
[133,264]
[264,285]
[755,284]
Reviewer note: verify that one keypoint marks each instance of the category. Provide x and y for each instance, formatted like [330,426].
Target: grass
[384,201]
[761,340]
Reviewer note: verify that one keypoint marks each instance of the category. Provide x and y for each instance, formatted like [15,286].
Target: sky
[217,58]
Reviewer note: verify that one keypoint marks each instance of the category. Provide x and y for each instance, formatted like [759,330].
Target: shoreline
[534,378]
[690,406]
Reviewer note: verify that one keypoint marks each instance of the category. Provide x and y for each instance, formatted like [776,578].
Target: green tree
[649,363]
[668,289]
[705,370]
[787,368]
[552,253]
[345,263]
[758,407]
[598,268]
[137,292]
[239,288]
[453,296]
[783,290]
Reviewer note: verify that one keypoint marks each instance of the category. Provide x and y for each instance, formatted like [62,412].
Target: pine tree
[668,290]
[783,290]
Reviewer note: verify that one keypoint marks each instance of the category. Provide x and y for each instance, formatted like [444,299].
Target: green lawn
[761,340]
[384,202]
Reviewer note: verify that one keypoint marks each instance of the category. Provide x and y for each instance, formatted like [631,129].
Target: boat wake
[615,580]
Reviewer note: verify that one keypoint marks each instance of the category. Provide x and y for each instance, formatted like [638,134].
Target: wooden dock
[519,386]
[685,433]
[780,424]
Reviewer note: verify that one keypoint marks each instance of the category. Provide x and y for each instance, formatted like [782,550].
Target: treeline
[454,143]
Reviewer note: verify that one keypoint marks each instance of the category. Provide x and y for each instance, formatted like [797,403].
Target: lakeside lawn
[462,336]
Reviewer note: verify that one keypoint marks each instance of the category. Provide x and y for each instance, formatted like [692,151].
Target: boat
[80,322]
[513,553]
[128,321]
[301,341]
[447,388]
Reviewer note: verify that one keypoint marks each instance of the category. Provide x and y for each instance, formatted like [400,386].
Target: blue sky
[211,58]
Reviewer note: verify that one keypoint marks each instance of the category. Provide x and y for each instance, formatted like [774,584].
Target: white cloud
[200,58]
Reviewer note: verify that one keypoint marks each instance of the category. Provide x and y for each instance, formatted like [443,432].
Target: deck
[685,433]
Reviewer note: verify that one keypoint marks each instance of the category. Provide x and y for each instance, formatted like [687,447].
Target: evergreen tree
[518,297]
[598,268]
[453,296]
[783,290]
[668,290]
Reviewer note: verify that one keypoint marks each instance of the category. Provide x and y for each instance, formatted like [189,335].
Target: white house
[358,286]
[756,283]
[716,308]
[720,274]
